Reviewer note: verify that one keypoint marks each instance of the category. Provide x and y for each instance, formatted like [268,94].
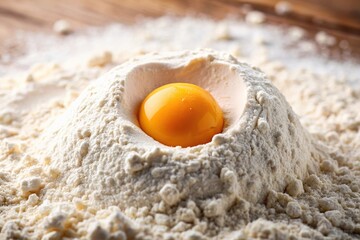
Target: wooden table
[340,19]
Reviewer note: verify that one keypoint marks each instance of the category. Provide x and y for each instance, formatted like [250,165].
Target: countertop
[339,19]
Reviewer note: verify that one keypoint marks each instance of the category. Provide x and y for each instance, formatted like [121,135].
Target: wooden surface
[341,18]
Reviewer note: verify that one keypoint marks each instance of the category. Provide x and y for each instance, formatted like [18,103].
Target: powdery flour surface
[75,165]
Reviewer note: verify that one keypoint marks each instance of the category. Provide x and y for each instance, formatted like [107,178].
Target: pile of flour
[74,164]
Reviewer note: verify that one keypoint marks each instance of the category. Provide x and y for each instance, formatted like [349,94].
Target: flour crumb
[295,188]
[296,33]
[255,17]
[328,166]
[62,27]
[222,33]
[325,39]
[283,7]
[170,194]
[133,163]
[293,209]
[313,181]
[31,185]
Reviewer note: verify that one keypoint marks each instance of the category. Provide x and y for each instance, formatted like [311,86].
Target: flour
[75,164]
[323,38]
[283,7]
[225,168]
[62,27]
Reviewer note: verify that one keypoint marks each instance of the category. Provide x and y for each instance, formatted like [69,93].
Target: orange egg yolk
[180,114]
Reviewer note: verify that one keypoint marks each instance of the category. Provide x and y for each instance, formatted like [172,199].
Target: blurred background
[340,18]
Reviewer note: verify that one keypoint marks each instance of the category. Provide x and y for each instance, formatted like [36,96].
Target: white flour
[83,169]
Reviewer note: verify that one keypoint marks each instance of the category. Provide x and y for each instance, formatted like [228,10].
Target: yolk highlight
[180,114]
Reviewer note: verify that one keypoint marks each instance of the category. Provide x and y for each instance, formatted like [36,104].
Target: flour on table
[75,164]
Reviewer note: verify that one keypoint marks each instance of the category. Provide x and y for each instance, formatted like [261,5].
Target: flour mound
[102,154]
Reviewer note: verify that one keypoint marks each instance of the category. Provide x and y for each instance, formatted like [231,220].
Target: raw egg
[180,114]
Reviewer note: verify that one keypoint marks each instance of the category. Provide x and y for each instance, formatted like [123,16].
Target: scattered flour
[74,164]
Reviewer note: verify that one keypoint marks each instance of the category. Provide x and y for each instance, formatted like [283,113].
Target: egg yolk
[180,114]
